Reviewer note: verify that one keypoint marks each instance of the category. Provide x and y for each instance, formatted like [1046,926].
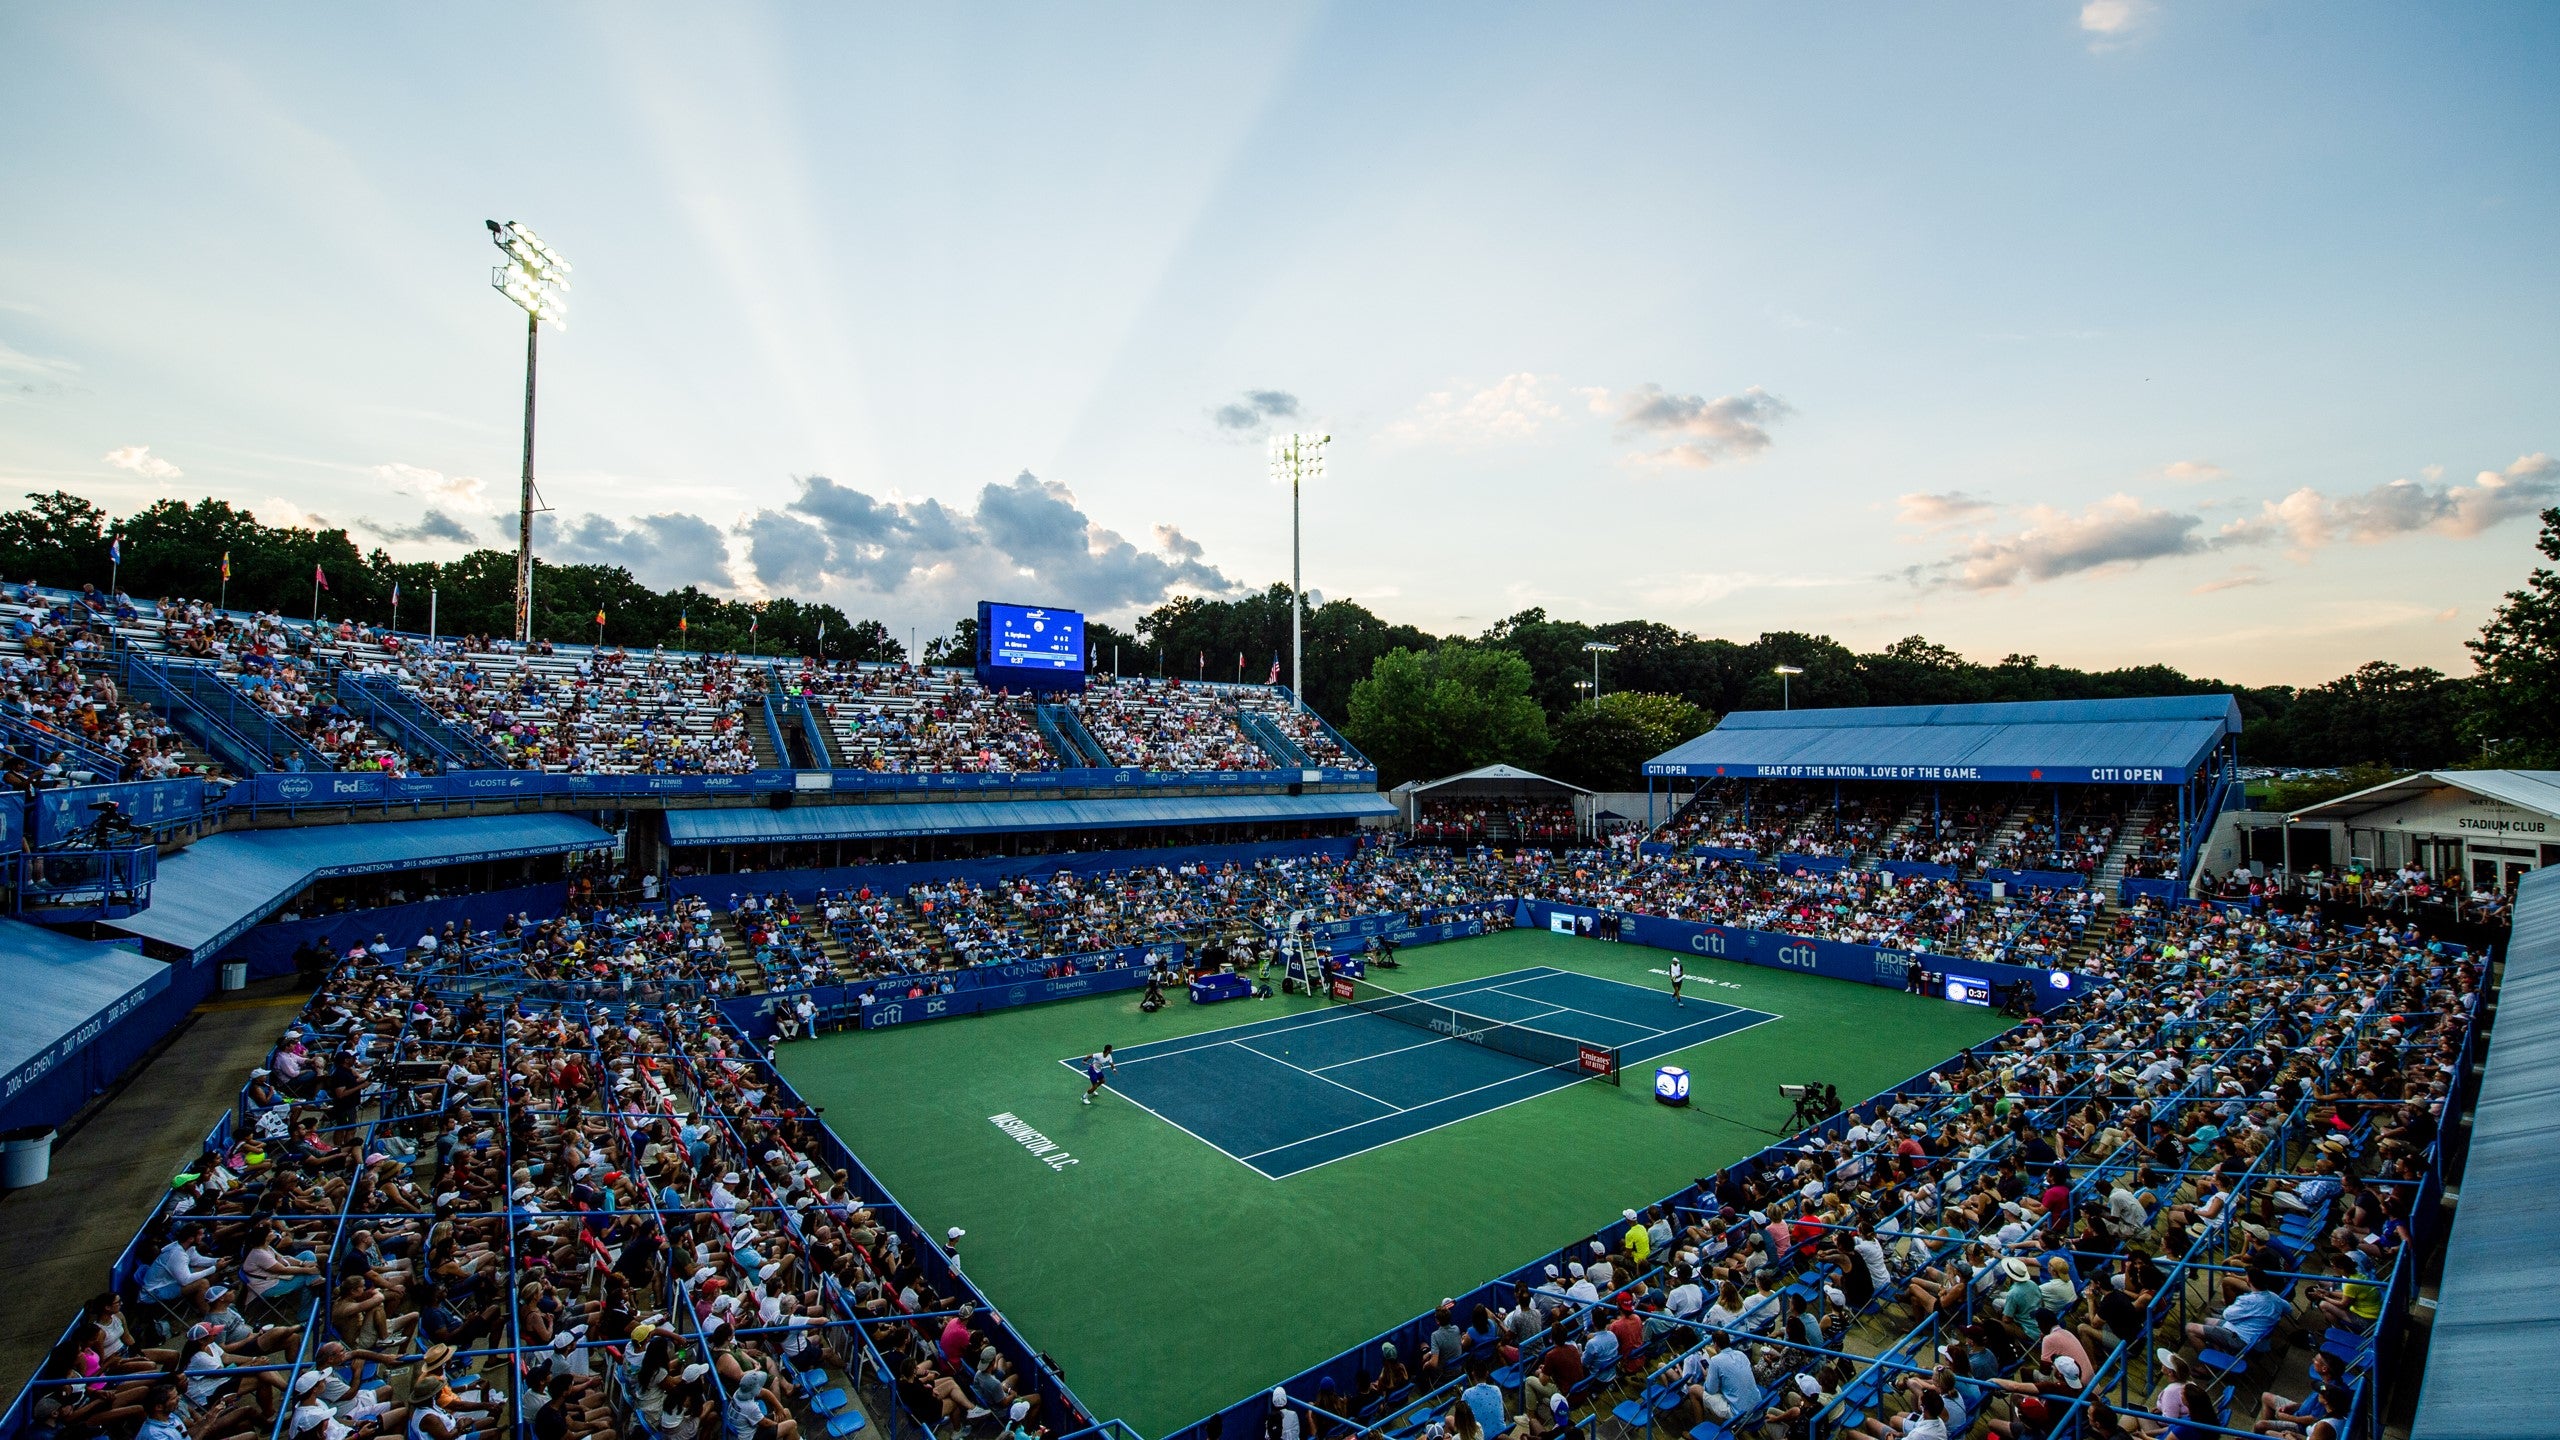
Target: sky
[2220,335]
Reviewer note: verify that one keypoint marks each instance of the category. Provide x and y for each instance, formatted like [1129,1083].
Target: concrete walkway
[58,1239]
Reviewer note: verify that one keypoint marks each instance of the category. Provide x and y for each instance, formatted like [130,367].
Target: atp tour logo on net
[1799,957]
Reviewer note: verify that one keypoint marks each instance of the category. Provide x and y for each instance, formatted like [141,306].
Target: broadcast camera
[1814,1104]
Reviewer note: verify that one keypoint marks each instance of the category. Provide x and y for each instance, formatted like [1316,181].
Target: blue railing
[44,745]
[380,700]
[1080,740]
[364,787]
[147,682]
[1274,742]
[63,887]
[819,749]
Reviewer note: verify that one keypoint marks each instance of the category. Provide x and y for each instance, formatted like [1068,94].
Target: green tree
[1604,746]
[2514,718]
[1424,714]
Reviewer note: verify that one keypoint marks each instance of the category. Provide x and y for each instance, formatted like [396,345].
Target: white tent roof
[2537,790]
[1493,780]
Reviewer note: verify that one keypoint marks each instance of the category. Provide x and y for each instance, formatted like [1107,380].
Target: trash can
[26,1156]
[235,974]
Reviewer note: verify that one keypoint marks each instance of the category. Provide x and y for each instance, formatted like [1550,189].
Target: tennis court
[1288,1095]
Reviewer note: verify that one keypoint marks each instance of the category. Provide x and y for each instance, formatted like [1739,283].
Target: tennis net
[1539,1047]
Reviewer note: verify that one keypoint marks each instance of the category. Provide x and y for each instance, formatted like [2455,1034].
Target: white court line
[1470,1115]
[1309,1019]
[1649,1031]
[1329,1080]
[1178,1125]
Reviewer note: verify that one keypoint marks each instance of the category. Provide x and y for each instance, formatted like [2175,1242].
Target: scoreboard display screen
[1028,646]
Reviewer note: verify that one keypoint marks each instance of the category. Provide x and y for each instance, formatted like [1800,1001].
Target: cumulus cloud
[2307,519]
[2109,23]
[2118,531]
[1513,408]
[1171,540]
[1255,409]
[1936,511]
[1699,432]
[667,550]
[434,526]
[468,490]
[140,460]
[2191,472]
[1026,535]
[282,512]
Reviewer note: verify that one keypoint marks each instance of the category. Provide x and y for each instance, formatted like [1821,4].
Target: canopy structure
[749,825]
[2499,1301]
[2532,792]
[2164,740]
[221,885]
[57,988]
[1491,782]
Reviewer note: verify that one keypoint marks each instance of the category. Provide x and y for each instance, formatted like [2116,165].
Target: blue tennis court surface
[1291,1094]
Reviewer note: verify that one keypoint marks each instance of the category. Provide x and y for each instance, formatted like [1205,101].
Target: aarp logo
[1798,956]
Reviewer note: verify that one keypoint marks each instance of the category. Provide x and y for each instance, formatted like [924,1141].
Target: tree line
[1421,705]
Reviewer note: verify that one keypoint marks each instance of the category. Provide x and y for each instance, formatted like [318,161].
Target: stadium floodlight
[1786,685]
[1596,649]
[1297,458]
[537,280]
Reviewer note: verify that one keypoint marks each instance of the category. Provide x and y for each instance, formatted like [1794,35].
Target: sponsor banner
[1989,774]
[2038,879]
[1830,959]
[152,804]
[328,787]
[1596,1062]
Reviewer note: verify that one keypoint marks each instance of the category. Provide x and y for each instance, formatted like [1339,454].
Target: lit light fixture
[537,280]
[1296,459]
[535,277]
[1786,685]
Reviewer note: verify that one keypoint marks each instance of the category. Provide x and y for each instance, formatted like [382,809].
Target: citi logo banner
[1798,956]
[1708,942]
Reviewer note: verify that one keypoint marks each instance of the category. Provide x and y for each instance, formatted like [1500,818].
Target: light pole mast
[537,279]
[1297,458]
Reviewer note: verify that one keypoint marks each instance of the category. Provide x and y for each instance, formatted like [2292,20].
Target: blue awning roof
[2156,741]
[849,822]
[2498,1305]
[56,986]
[221,885]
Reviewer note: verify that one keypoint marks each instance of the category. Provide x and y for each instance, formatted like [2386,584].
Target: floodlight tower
[537,279]
[1297,458]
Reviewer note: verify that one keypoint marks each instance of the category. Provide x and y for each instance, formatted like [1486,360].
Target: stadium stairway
[742,960]
[2128,844]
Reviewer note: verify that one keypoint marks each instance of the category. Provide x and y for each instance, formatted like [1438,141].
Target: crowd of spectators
[604,712]
[608,1217]
[912,720]
[1545,823]
[446,1206]
[2092,1226]
[1167,725]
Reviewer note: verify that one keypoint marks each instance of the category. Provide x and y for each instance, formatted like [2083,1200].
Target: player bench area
[1285,1096]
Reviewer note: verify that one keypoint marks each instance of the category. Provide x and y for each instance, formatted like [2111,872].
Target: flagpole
[431,616]
[115,563]
[315,594]
[223,601]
